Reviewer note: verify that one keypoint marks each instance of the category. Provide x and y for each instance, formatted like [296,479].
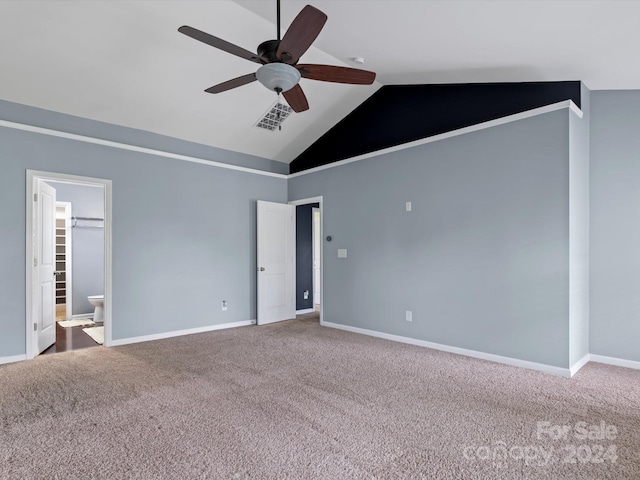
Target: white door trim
[68,258]
[318,200]
[315,256]
[31,177]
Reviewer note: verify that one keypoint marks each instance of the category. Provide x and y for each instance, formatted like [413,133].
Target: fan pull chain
[278,112]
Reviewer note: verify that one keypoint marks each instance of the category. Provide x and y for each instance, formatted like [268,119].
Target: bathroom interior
[79,266]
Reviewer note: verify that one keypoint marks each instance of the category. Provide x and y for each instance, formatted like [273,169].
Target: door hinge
[35,327]
[35,262]
[35,197]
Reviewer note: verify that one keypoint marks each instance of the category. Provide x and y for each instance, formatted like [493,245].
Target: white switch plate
[409,316]
[407,206]
[342,253]
[224,305]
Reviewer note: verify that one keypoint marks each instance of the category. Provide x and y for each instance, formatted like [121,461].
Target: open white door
[45,265]
[276,255]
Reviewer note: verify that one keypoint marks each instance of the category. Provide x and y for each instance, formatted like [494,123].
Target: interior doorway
[56,232]
[309,257]
[276,276]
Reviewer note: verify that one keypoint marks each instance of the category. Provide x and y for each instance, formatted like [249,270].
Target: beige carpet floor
[298,401]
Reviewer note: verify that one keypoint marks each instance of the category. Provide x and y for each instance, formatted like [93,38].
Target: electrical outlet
[409,316]
[224,305]
[305,294]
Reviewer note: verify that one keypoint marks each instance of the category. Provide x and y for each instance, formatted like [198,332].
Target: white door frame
[315,287]
[31,272]
[68,258]
[318,200]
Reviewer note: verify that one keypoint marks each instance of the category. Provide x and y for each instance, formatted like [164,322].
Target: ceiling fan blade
[233,83]
[332,73]
[221,44]
[301,33]
[296,99]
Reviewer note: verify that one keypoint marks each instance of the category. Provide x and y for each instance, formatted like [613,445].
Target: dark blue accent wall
[398,114]
[304,255]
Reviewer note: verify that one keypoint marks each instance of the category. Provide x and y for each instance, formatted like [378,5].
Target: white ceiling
[124,62]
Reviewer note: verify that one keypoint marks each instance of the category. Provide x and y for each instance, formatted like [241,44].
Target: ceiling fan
[280,70]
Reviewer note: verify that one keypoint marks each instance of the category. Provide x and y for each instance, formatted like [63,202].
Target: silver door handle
[55,274]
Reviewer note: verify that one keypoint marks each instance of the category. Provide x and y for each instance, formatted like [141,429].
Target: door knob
[262,269]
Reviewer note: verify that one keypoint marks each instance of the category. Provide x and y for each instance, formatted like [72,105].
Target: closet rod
[88,218]
[74,222]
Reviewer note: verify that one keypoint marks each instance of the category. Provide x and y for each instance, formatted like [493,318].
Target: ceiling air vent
[274,116]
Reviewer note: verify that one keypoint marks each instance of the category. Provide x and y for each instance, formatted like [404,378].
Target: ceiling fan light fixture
[278,76]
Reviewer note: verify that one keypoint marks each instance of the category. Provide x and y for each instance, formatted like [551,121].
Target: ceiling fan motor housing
[268,49]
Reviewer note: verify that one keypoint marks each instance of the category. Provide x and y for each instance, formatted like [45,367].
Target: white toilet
[98,302]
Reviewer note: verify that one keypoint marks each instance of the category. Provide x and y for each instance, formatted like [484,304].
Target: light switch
[342,253]
[407,206]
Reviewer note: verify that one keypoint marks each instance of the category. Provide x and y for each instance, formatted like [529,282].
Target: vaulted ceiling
[124,62]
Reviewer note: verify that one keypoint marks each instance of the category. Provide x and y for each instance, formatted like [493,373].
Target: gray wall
[482,261]
[615,224]
[39,117]
[87,242]
[183,233]
[490,259]
[579,230]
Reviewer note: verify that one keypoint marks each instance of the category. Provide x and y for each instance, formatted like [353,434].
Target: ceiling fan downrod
[278,20]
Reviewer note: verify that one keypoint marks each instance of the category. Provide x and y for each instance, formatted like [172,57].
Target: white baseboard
[12,359]
[305,310]
[82,315]
[178,333]
[579,364]
[618,362]
[514,362]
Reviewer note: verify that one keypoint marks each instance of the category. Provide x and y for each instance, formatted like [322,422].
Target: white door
[276,255]
[316,256]
[45,264]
